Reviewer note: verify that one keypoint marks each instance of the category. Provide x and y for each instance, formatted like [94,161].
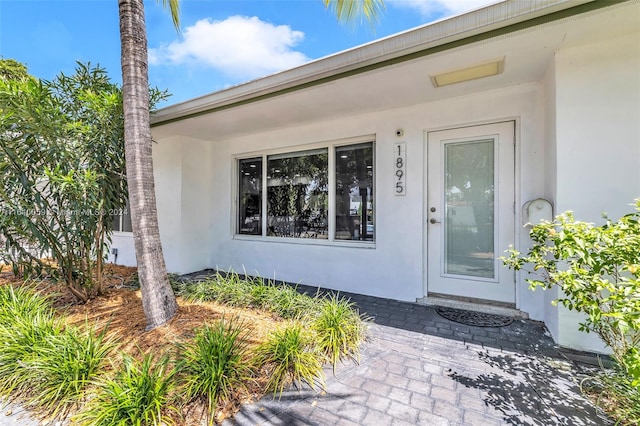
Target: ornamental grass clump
[44,365]
[26,321]
[290,352]
[339,330]
[288,303]
[63,366]
[227,289]
[214,365]
[138,394]
[252,292]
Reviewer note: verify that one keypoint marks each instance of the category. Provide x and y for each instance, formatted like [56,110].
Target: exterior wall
[550,312]
[182,179]
[195,207]
[394,268]
[597,140]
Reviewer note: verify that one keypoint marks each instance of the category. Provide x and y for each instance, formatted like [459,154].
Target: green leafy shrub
[339,330]
[137,395]
[214,364]
[22,302]
[291,353]
[62,168]
[598,269]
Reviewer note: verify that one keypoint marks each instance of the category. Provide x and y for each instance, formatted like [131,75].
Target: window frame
[331,211]
[124,211]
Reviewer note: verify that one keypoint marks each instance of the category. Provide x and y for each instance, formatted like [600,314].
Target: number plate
[399,168]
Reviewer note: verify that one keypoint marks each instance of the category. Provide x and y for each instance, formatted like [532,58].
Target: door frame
[516,195]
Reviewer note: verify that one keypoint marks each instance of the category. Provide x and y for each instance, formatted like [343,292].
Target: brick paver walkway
[421,369]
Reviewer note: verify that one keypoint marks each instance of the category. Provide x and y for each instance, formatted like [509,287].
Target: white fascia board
[425,37]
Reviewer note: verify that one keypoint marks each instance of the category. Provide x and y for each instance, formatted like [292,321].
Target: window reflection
[250,197]
[297,194]
[354,192]
[469,189]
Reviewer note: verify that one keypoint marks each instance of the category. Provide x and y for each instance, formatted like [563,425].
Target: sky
[221,42]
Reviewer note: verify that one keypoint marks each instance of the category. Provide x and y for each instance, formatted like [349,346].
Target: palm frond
[349,10]
[174,9]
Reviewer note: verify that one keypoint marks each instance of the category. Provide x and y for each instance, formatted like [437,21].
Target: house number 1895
[399,168]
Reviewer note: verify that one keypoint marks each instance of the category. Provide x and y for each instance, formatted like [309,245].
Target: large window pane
[250,197]
[469,225]
[354,192]
[297,194]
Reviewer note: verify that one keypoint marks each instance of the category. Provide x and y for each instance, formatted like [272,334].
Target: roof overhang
[440,37]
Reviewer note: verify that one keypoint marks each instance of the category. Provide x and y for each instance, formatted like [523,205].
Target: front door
[470,211]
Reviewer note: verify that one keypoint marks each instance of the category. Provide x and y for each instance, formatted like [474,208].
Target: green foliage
[349,10]
[214,365]
[63,366]
[62,165]
[612,390]
[598,270]
[22,303]
[137,395]
[62,168]
[45,365]
[232,290]
[339,330]
[228,289]
[292,355]
[12,70]
[26,322]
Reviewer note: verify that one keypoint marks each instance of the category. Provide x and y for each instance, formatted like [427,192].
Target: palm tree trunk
[158,300]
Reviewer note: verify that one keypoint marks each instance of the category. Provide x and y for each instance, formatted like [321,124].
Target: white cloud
[240,46]
[427,7]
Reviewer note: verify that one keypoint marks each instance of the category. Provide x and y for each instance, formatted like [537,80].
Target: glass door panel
[469,217]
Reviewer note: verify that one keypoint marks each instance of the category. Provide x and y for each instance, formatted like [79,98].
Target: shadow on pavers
[294,408]
[532,391]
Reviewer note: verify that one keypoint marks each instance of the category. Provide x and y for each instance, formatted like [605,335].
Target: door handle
[433,220]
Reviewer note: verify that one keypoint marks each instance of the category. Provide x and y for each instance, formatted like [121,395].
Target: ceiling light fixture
[486,69]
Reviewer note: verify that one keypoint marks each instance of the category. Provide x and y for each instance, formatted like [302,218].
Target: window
[354,192]
[297,194]
[299,202]
[122,222]
[250,200]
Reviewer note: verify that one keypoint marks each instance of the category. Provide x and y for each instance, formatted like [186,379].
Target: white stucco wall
[549,312]
[394,267]
[597,141]
[183,180]
[195,206]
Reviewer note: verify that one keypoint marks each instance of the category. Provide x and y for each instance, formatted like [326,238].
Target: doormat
[477,319]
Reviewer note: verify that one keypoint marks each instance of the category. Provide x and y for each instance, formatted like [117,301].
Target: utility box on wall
[536,211]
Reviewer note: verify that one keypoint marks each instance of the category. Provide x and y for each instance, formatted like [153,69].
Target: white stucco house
[403,168]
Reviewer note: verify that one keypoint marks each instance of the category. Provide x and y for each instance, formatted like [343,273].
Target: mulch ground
[119,309]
